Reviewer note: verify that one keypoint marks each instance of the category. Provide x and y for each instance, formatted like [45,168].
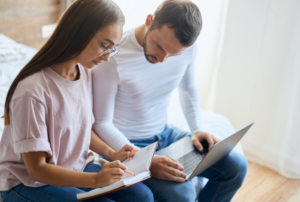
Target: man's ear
[149,21]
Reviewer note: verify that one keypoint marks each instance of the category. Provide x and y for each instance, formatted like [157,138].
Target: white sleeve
[188,95]
[105,88]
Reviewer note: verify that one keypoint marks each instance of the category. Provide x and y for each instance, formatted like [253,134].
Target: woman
[48,115]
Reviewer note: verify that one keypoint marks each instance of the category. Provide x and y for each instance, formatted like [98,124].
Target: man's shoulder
[126,35]
[192,49]
[106,68]
[129,44]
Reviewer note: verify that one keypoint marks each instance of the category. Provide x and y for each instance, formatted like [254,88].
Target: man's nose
[162,57]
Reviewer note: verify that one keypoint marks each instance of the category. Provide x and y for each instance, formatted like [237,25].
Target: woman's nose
[106,57]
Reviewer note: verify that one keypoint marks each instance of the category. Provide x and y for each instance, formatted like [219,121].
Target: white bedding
[13,57]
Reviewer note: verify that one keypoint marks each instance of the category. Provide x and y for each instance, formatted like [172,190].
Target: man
[132,92]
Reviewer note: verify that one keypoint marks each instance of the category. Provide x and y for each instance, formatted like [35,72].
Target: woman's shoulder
[34,86]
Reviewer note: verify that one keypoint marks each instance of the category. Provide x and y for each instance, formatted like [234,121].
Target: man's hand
[166,168]
[199,136]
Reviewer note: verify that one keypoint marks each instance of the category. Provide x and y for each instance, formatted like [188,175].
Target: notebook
[139,165]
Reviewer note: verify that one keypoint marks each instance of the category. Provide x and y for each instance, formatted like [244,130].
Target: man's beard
[145,48]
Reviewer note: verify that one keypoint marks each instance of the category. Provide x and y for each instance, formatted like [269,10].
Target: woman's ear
[149,21]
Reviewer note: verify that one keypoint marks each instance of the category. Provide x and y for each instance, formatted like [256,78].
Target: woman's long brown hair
[74,30]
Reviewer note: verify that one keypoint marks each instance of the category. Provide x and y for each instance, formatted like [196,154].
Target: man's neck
[140,32]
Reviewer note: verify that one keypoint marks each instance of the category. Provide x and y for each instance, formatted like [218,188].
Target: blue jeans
[225,177]
[137,193]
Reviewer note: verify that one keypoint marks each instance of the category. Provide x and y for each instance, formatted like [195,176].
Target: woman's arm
[97,145]
[39,170]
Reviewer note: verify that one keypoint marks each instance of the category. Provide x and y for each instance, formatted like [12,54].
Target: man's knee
[139,192]
[185,192]
[239,167]
[170,191]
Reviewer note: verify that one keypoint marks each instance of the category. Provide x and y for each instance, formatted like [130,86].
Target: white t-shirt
[131,95]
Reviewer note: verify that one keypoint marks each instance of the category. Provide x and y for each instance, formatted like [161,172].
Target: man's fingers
[167,160]
[178,166]
[171,177]
[210,141]
[197,144]
[174,171]
[216,140]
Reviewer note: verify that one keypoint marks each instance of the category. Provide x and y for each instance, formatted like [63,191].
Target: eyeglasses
[112,51]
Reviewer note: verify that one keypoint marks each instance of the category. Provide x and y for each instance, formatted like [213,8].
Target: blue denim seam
[21,197]
[220,185]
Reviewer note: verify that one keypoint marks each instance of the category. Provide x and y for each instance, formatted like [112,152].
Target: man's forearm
[111,136]
[99,146]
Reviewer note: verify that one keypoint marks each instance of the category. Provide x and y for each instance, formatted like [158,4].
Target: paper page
[100,190]
[141,161]
[132,180]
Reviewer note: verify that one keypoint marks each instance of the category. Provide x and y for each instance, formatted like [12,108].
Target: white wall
[136,11]
[258,79]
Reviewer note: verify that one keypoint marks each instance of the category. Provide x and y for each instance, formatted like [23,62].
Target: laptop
[195,162]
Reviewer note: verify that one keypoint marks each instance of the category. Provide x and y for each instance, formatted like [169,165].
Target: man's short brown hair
[181,15]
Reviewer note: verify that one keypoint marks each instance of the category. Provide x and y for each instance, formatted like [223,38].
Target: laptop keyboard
[191,160]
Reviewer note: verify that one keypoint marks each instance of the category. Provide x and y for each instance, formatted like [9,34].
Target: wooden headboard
[22,20]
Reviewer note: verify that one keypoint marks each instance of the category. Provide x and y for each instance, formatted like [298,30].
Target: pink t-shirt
[51,114]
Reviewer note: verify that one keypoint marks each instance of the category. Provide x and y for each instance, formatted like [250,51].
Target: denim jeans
[137,193]
[225,177]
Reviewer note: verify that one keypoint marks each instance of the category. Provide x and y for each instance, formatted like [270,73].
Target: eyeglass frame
[112,51]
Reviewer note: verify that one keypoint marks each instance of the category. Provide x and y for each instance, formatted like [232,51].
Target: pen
[126,171]
[133,152]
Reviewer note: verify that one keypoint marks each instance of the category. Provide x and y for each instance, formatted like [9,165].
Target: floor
[265,185]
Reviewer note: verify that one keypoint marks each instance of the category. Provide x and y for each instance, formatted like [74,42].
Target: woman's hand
[110,173]
[123,154]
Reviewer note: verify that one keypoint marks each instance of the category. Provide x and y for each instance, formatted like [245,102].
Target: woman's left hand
[123,154]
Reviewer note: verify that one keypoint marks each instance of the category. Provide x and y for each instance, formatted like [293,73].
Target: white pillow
[10,50]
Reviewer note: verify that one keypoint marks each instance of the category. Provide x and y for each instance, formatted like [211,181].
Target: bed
[13,56]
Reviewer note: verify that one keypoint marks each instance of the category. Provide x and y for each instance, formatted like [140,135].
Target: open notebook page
[139,165]
[141,160]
